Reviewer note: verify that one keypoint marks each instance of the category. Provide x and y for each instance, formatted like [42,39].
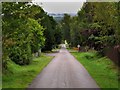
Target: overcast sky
[60,7]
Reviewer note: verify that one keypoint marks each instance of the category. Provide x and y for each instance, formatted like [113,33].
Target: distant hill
[59,16]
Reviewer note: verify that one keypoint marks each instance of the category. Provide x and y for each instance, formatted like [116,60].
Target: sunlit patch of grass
[22,76]
[101,69]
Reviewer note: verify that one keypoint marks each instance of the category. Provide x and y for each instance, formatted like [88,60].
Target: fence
[114,54]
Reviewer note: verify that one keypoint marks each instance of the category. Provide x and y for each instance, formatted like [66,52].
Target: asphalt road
[64,71]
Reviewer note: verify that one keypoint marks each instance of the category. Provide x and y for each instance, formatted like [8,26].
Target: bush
[20,55]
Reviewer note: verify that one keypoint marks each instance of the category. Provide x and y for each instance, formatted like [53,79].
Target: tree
[66,28]
[50,32]
[22,34]
[96,25]
[58,34]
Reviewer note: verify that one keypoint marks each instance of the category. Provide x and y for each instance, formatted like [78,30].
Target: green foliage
[104,20]
[52,32]
[22,34]
[74,32]
[37,38]
[58,34]
[26,30]
[66,27]
[21,55]
[96,26]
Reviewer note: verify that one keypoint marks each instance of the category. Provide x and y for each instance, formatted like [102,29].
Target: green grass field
[22,76]
[101,69]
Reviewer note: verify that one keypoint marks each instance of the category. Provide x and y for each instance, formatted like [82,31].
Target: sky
[61,6]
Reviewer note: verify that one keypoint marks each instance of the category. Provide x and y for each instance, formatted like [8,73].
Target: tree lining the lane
[26,29]
[96,26]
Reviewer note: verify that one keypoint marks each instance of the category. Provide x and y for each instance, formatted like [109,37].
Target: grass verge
[101,69]
[22,76]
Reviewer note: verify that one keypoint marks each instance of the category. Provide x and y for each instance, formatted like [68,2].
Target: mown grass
[22,76]
[104,72]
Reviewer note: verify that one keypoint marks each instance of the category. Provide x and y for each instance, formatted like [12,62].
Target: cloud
[61,7]
[59,0]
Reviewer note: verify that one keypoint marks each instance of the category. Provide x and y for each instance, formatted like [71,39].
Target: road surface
[64,71]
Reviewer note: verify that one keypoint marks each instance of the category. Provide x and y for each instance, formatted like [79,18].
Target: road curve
[64,71]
